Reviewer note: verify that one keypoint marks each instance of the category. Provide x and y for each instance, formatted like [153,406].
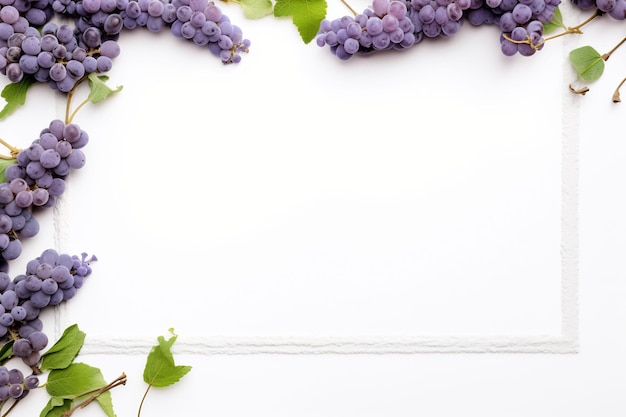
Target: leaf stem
[608,54]
[145,394]
[575,29]
[69,116]
[616,97]
[120,380]
[11,408]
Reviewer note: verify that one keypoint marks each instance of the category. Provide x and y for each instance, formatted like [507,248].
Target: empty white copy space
[403,194]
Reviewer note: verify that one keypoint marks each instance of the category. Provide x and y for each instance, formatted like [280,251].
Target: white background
[297,203]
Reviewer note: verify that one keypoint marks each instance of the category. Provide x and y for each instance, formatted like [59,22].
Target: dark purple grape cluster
[13,383]
[614,8]
[50,279]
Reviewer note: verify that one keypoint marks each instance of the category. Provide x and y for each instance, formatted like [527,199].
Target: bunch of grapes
[50,279]
[386,25]
[59,55]
[521,23]
[37,180]
[439,18]
[614,8]
[13,383]
[198,21]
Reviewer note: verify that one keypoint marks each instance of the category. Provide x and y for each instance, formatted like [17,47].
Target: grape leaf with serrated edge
[306,15]
[160,370]
[587,62]
[73,383]
[15,95]
[63,352]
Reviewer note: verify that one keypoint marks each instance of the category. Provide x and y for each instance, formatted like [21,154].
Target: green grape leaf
[555,23]
[588,63]
[256,9]
[99,90]
[160,370]
[15,95]
[306,15]
[65,350]
[56,407]
[4,164]
[6,351]
[77,382]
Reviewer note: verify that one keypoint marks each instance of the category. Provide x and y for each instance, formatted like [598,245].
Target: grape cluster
[521,23]
[614,8]
[50,279]
[59,55]
[32,45]
[37,180]
[386,25]
[13,383]
[198,21]
[438,17]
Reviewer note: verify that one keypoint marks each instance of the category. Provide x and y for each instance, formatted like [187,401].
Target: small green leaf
[306,15]
[56,407]
[99,90]
[63,352]
[77,382]
[4,164]
[6,351]
[256,9]
[555,23]
[15,95]
[588,63]
[160,370]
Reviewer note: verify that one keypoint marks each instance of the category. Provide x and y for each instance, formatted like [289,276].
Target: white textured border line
[565,343]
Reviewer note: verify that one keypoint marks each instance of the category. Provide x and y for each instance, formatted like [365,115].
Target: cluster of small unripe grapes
[521,23]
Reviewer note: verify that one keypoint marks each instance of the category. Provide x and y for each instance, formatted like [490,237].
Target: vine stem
[575,29]
[69,115]
[570,30]
[14,151]
[11,408]
[608,54]
[616,96]
[120,380]
[345,3]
